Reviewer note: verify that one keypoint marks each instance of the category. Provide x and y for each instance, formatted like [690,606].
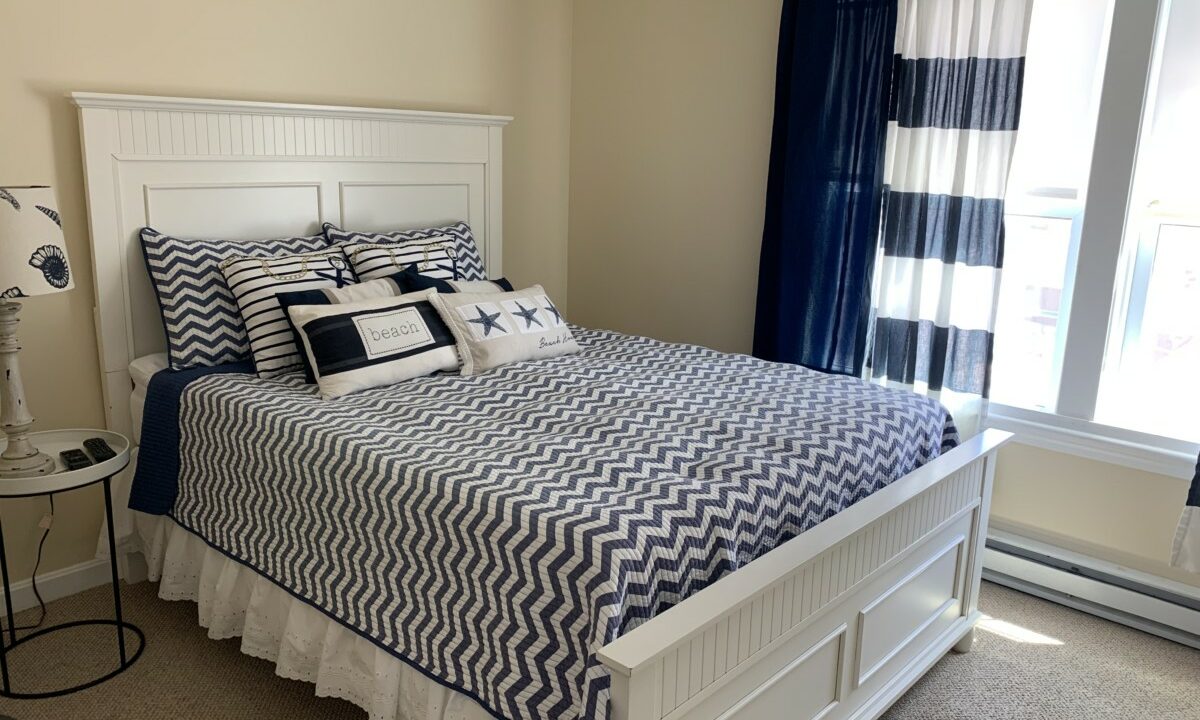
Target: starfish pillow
[494,329]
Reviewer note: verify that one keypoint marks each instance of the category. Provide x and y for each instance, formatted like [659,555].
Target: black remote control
[99,450]
[74,459]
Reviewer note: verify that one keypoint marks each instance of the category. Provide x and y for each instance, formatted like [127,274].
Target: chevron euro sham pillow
[200,316]
[494,329]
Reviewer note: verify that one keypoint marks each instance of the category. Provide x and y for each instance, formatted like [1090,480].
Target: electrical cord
[33,579]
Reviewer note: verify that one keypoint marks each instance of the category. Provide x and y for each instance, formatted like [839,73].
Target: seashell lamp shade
[33,252]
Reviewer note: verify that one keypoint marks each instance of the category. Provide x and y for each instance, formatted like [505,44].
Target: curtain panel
[824,183]
[1185,552]
[952,121]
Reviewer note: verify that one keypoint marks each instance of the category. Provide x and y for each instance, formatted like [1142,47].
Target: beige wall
[1108,511]
[508,57]
[671,111]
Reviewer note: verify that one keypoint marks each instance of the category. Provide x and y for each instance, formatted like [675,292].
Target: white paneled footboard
[838,622]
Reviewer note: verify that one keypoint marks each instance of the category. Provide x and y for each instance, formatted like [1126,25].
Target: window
[1155,343]
[1099,311]
[1045,201]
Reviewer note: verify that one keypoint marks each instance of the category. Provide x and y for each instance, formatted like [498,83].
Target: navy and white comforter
[493,531]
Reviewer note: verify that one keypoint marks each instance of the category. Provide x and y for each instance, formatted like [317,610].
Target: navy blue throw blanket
[824,187]
[156,479]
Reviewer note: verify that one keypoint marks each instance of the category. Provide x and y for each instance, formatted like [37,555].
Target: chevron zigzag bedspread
[493,531]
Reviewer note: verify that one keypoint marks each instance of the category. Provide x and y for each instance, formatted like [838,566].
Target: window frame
[1035,206]
[1100,289]
[1127,327]
[1133,36]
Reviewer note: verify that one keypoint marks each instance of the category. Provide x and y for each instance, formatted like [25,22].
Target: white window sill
[1091,440]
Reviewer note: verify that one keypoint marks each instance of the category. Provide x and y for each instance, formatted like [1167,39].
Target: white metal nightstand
[52,442]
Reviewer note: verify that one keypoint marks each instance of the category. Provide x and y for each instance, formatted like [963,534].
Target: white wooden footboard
[838,622]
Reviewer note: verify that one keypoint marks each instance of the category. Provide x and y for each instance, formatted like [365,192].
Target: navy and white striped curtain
[955,102]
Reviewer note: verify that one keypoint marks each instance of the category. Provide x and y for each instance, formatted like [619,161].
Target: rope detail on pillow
[294,275]
[425,263]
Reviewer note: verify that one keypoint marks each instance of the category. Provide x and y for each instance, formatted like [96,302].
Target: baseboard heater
[1129,597]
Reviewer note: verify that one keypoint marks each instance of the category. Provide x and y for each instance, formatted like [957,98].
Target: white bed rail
[838,622]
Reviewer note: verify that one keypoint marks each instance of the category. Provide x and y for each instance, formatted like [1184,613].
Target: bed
[731,597]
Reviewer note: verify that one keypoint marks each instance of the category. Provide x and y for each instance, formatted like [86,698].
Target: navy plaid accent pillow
[200,317]
[467,260]
[412,280]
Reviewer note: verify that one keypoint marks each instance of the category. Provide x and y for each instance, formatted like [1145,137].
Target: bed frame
[836,623]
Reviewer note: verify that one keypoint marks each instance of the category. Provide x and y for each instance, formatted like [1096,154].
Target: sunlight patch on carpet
[1015,633]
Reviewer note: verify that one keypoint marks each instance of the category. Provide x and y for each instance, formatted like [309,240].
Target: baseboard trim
[1096,569]
[1091,608]
[1098,589]
[60,583]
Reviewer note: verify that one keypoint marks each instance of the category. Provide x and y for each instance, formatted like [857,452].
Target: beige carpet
[1033,660]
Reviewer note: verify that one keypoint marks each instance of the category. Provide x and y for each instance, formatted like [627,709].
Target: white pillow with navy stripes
[465,254]
[366,344]
[254,283]
[432,256]
[200,317]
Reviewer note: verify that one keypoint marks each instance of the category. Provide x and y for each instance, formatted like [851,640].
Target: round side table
[52,442]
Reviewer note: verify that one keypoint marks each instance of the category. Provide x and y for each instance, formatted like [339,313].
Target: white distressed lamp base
[20,459]
[38,464]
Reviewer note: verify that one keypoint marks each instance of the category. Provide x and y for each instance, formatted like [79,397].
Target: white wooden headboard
[228,169]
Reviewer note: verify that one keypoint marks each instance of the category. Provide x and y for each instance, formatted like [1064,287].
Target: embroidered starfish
[557,316]
[487,320]
[530,315]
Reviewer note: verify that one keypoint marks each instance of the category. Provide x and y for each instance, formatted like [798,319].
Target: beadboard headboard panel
[234,169]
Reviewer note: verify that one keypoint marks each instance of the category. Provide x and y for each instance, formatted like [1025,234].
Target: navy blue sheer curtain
[825,181]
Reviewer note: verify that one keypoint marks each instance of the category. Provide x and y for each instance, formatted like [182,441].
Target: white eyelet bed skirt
[304,644]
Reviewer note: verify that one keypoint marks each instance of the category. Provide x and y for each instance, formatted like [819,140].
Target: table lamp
[33,261]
